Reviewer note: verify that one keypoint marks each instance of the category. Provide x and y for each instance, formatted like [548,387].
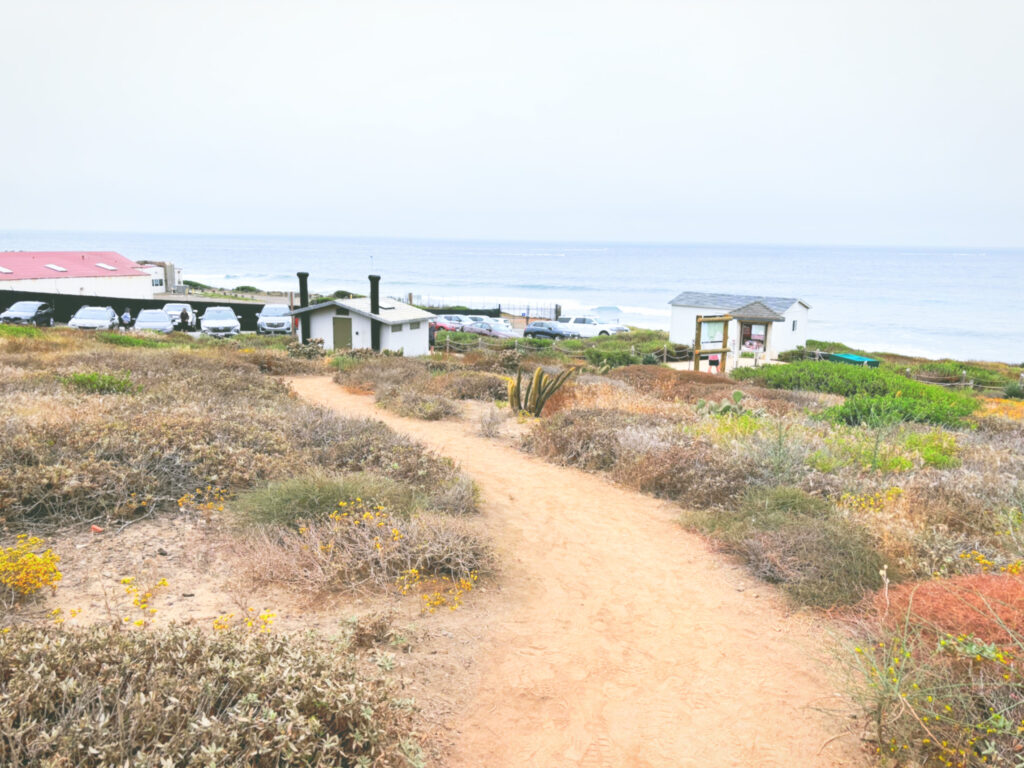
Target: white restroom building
[762,325]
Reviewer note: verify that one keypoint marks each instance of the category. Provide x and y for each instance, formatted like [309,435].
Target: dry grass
[104,696]
[200,415]
[367,549]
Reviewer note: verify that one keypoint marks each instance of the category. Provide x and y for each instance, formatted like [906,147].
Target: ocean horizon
[931,302]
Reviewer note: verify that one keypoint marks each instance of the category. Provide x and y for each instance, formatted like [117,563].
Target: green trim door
[342,332]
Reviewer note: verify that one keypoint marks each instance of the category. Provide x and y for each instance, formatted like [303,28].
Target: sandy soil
[614,638]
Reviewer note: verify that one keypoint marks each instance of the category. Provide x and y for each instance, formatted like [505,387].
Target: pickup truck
[587,326]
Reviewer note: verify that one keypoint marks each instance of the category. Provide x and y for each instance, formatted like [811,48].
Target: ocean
[964,304]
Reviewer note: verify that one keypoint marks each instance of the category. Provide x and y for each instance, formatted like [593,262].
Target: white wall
[115,286]
[413,342]
[684,322]
[785,337]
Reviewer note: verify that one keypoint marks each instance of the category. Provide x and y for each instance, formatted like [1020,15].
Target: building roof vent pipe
[304,302]
[375,310]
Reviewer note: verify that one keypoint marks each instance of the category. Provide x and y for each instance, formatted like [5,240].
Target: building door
[342,332]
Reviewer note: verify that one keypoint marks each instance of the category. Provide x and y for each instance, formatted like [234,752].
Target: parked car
[28,312]
[470,319]
[220,322]
[450,322]
[274,318]
[94,319]
[154,320]
[174,312]
[490,329]
[548,329]
[587,326]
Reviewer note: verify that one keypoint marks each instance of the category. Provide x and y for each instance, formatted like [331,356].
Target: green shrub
[135,340]
[456,337]
[314,496]
[862,448]
[875,396]
[100,383]
[936,448]
[796,540]
[613,358]
[19,331]
[952,369]
[948,409]
[1014,392]
[103,696]
[833,378]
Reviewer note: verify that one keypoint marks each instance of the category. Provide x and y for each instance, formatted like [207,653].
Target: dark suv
[542,329]
[28,312]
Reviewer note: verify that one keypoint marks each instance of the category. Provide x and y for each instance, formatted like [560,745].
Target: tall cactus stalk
[537,390]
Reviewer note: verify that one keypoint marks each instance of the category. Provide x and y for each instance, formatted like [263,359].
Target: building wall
[683,323]
[115,286]
[412,341]
[321,326]
[785,337]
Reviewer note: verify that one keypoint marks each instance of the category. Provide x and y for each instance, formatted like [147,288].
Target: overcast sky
[895,122]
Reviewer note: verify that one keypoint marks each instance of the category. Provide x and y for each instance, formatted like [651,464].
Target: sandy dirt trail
[623,641]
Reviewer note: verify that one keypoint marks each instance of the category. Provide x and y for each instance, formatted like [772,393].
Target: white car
[94,319]
[154,320]
[588,326]
[220,322]
[274,318]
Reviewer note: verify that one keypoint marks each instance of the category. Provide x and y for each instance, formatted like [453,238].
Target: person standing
[184,319]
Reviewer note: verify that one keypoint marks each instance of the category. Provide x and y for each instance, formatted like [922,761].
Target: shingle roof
[756,310]
[390,311]
[729,302]
[33,265]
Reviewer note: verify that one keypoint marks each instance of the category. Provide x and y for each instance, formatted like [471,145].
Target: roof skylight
[106,266]
[6,271]
[56,268]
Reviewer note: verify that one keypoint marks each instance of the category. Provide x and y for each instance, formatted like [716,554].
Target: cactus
[532,397]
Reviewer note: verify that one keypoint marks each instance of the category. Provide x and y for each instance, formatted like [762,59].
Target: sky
[888,122]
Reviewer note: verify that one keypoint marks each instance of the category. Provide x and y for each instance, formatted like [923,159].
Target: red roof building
[83,273]
[33,265]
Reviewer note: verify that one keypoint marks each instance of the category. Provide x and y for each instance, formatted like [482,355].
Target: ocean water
[964,304]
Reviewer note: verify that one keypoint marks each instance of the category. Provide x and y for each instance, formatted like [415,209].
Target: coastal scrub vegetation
[181,696]
[104,431]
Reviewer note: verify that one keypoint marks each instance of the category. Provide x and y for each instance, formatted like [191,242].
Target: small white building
[347,324]
[763,325]
[74,273]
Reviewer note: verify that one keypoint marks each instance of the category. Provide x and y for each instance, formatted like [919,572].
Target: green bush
[104,696]
[100,383]
[614,358]
[1014,392]
[795,540]
[833,378]
[19,331]
[135,340]
[948,409]
[952,369]
[936,448]
[456,337]
[875,396]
